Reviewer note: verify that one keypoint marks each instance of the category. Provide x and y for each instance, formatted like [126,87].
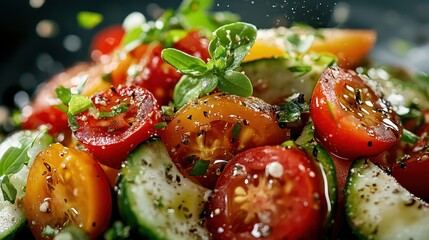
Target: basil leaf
[88,19]
[237,38]
[15,149]
[64,94]
[189,88]
[184,62]
[15,157]
[200,168]
[8,190]
[236,83]
[78,104]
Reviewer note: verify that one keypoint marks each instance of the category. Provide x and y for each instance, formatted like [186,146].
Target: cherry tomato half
[67,186]
[411,171]
[216,127]
[111,139]
[106,40]
[350,119]
[268,192]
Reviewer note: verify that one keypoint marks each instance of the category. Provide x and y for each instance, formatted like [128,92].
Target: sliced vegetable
[216,127]
[277,78]
[268,192]
[17,153]
[157,199]
[66,186]
[350,118]
[377,207]
[110,133]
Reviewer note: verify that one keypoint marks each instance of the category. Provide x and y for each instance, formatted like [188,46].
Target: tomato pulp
[268,192]
[350,118]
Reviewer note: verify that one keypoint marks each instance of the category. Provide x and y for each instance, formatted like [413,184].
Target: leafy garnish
[227,49]
[409,137]
[236,129]
[8,190]
[16,156]
[200,167]
[292,108]
[88,19]
[74,104]
[118,231]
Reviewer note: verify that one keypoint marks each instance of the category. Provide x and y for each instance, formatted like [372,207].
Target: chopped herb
[160,125]
[301,69]
[48,231]
[64,94]
[200,167]
[227,49]
[409,137]
[236,129]
[88,19]
[8,190]
[168,110]
[292,108]
[118,231]
[115,110]
[78,104]
[74,126]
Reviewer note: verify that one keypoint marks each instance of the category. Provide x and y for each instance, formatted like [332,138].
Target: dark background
[27,59]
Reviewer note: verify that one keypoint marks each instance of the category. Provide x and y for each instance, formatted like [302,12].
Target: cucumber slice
[17,152]
[321,156]
[157,199]
[377,207]
[276,78]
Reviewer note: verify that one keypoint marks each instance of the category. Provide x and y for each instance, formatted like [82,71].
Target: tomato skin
[350,46]
[349,118]
[63,181]
[194,44]
[106,40]
[111,139]
[411,171]
[249,202]
[202,129]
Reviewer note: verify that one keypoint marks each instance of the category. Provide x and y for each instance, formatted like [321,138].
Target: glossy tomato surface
[67,186]
[111,139]
[106,40]
[268,192]
[411,170]
[350,118]
[216,127]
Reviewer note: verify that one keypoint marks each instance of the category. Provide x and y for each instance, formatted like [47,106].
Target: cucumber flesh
[12,216]
[377,207]
[157,199]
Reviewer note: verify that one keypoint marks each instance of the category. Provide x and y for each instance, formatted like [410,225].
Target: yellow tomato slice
[67,186]
[350,46]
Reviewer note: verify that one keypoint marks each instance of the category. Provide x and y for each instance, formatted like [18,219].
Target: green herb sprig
[74,103]
[231,43]
[289,113]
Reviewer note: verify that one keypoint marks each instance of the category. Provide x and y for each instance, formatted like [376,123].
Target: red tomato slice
[67,186]
[111,139]
[203,130]
[196,45]
[106,40]
[412,169]
[350,119]
[268,192]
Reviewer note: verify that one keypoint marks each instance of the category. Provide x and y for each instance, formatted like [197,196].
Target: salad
[199,126]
